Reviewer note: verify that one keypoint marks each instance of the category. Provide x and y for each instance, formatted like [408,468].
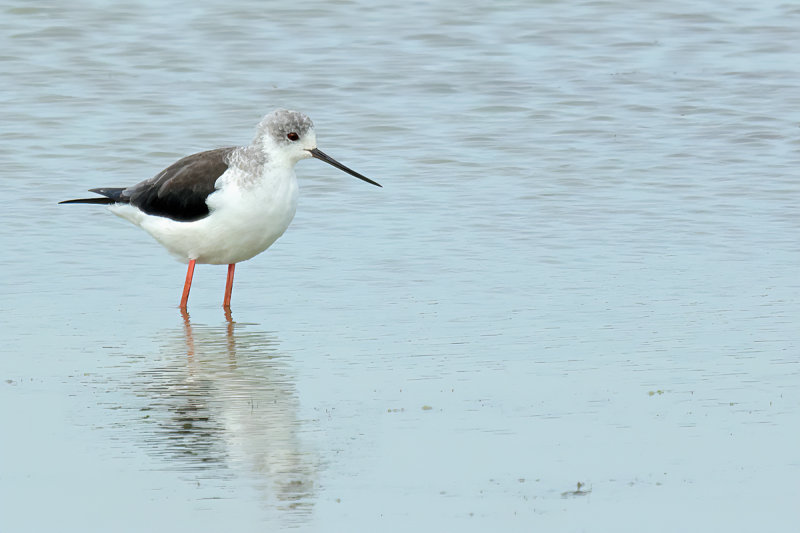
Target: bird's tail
[112,195]
[89,201]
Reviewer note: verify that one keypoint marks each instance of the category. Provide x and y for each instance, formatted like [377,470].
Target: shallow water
[582,268]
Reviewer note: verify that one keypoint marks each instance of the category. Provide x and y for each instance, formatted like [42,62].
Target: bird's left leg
[188,284]
[229,286]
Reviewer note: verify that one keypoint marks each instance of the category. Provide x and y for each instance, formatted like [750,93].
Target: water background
[574,305]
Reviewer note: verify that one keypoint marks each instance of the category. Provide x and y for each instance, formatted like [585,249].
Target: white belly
[244,221]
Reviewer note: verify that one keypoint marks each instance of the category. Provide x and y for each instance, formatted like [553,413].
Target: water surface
[582,268]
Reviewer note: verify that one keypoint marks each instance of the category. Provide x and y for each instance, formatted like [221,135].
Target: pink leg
[188,284]
[229,286]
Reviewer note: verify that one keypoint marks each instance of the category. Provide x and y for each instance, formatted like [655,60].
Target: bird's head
[290,134]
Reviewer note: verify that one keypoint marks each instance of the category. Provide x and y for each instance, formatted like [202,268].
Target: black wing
[179,191]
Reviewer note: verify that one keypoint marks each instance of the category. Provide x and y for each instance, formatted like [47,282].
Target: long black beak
[322,156]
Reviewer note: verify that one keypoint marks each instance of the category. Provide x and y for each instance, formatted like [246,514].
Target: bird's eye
[292,136]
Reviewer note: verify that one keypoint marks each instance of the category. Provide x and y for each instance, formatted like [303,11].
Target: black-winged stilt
[226,205]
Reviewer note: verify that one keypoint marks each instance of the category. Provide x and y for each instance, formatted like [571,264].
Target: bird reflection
[224,406]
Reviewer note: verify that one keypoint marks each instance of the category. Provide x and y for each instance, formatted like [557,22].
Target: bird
[226,205]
